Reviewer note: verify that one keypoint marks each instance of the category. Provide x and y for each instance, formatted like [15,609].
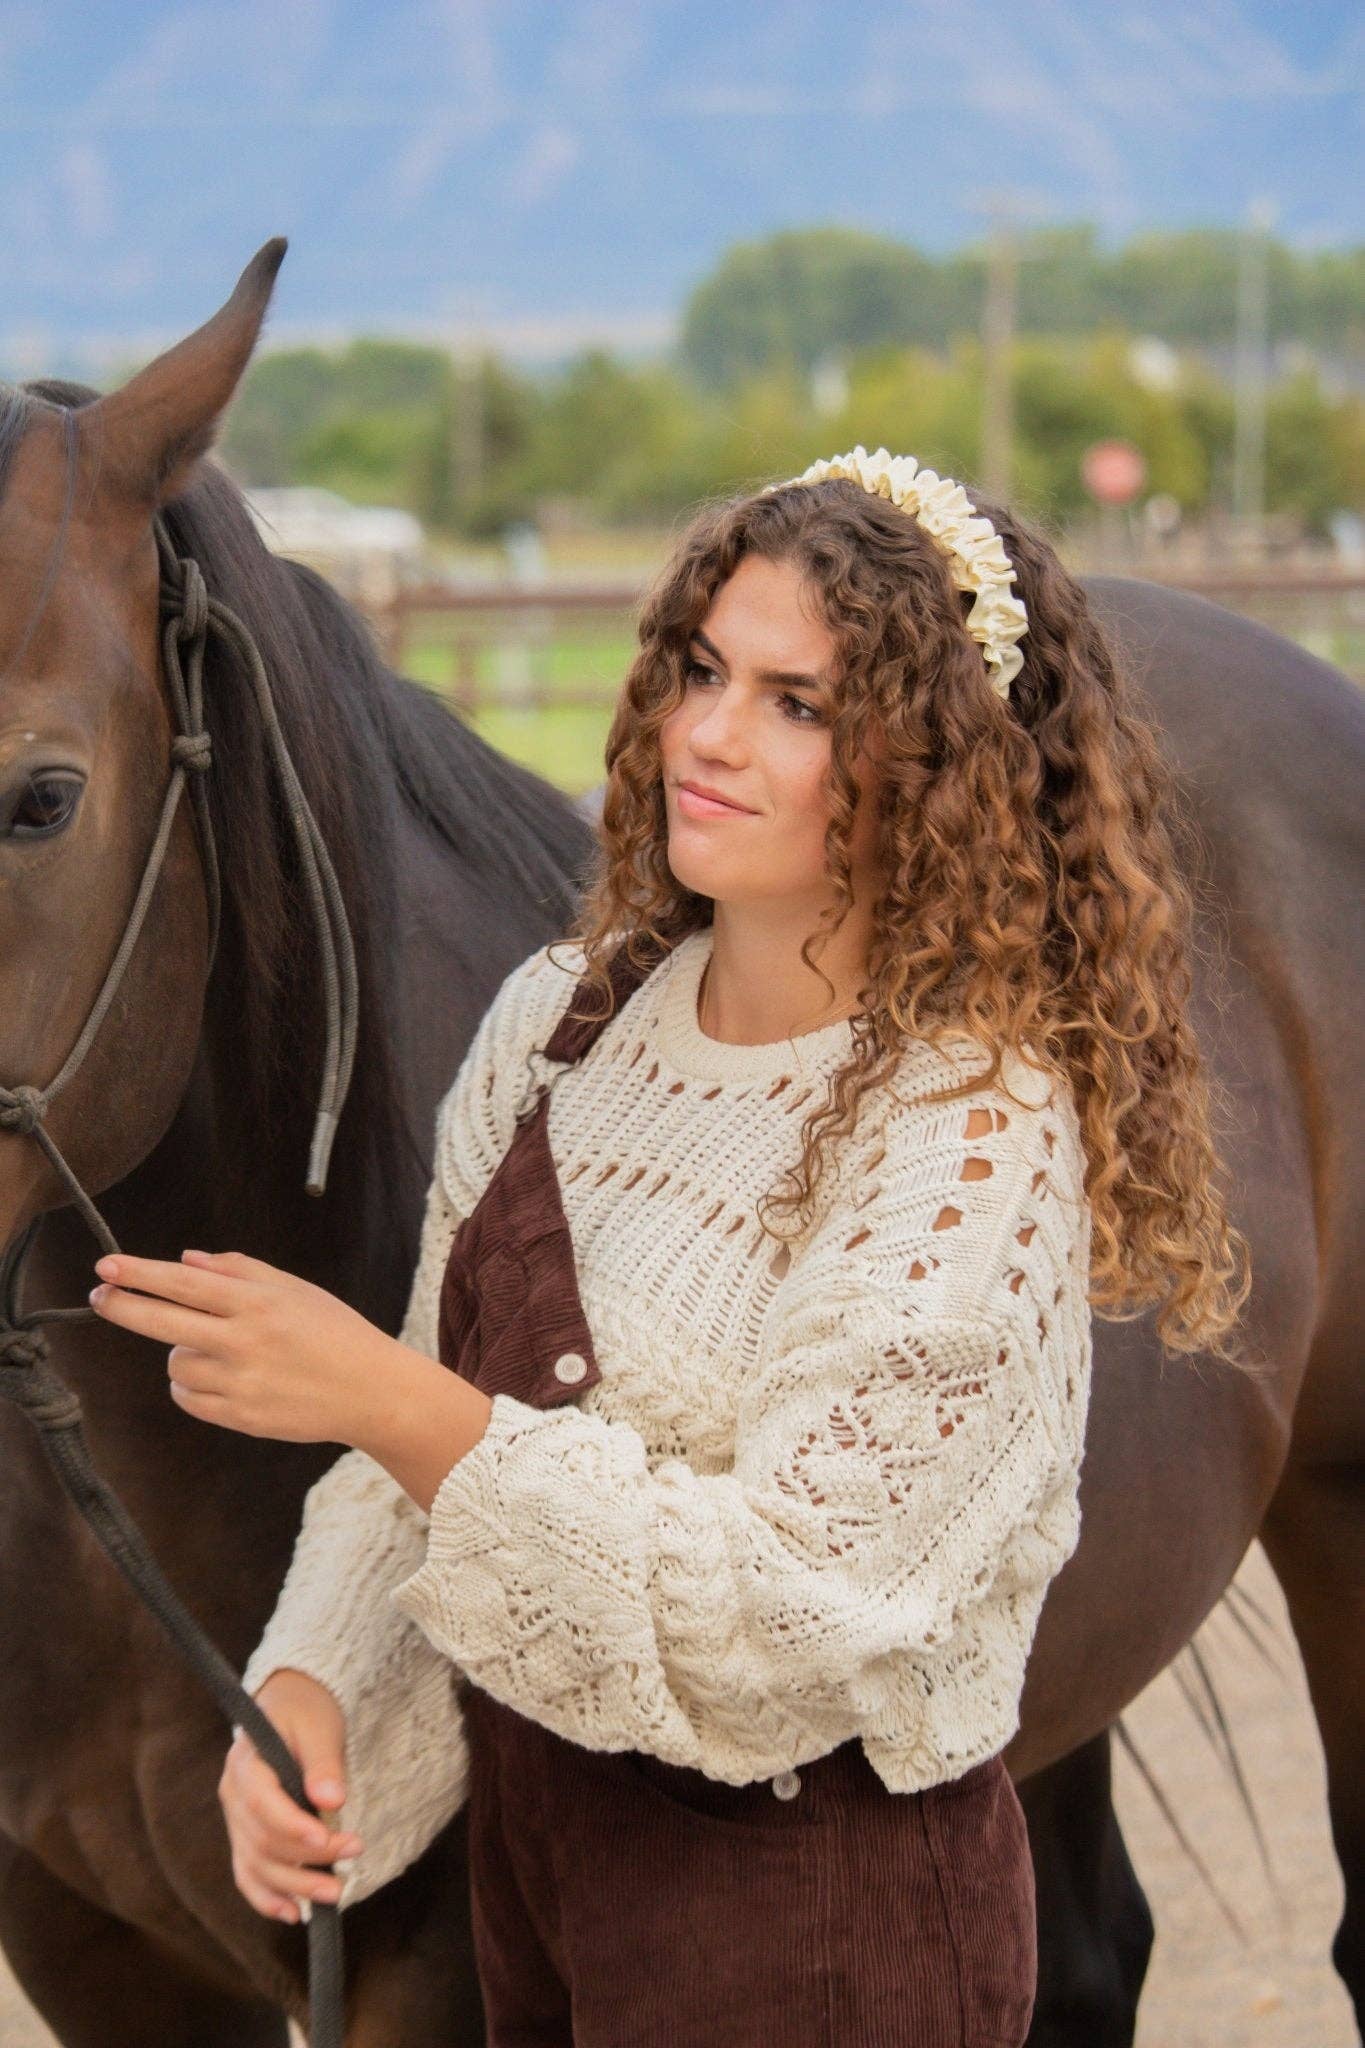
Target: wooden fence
[501,645]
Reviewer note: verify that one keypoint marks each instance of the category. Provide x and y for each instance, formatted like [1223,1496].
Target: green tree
[802,294]
[1314,446]
[282,398]
[787,300]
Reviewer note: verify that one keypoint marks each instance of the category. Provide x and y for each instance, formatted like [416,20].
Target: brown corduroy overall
[622,1902]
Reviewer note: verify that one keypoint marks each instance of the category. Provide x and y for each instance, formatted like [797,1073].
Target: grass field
[562,741]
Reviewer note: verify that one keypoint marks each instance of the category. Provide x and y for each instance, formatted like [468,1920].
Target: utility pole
[997,342]
[467,438]
[1249,377]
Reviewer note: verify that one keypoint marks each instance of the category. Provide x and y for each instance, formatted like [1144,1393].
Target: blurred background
[557,273]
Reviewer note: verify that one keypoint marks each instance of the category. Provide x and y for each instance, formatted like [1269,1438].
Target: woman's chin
[691,868]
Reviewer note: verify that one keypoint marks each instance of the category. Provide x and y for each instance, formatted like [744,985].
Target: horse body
[115,1887]
[1200,1448]
[1186,1463]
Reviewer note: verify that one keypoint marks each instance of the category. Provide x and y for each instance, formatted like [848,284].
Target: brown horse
[194,1112]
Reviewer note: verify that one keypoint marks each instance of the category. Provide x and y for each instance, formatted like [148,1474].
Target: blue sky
[547,173]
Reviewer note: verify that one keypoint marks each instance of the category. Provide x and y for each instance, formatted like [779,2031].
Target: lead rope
[26,1376]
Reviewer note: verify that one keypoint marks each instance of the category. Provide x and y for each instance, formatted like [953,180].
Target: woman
[695,1529]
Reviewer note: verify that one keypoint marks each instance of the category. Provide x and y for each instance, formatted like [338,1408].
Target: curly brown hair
[1030,891]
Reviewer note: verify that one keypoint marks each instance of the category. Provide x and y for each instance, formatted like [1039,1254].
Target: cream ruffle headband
[975,551]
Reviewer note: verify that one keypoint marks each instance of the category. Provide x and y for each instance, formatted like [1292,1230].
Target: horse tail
[1192,1675]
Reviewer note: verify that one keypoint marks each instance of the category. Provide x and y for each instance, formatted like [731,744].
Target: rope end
[324,1131]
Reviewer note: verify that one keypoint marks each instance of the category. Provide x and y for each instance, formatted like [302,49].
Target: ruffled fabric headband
[975,551]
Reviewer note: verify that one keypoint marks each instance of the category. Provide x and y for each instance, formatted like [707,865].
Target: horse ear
[146,438]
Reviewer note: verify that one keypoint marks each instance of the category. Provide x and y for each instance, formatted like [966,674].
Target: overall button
[571,1367]
[786,1784]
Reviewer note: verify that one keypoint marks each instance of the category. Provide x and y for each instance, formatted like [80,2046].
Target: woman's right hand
[275,1843]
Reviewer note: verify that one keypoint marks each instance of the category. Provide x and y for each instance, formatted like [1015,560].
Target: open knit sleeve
[903,1488]
[361,1533]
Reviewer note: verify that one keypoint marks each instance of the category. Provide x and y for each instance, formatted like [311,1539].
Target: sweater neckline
[690,1051]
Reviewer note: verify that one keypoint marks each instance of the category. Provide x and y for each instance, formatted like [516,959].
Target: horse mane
[373,750]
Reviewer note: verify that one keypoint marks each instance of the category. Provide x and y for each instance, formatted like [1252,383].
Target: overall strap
[588,1016]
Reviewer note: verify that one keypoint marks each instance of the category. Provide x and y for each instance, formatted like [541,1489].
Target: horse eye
[47,804]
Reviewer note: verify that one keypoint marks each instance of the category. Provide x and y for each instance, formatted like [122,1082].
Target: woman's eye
[798,710]
[46,805]
[695,673]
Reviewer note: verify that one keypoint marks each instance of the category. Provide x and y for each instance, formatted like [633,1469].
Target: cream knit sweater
[814,1496]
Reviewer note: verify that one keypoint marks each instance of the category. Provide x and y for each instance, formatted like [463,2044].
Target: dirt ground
[1209,1986]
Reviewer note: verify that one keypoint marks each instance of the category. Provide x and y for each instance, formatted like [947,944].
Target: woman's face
[746,754]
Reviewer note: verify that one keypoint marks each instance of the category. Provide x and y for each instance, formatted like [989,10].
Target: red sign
[1113,471]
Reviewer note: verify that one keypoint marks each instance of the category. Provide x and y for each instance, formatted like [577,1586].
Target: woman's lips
[693,805]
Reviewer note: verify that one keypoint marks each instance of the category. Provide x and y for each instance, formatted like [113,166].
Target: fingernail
[98,1293]
[187,1254]
[329,1792]
[107,1266]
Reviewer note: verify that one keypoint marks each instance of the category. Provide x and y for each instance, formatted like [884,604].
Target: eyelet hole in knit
[919,1460]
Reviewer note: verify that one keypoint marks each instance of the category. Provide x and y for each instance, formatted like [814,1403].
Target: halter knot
[22,1109]
[192,750]
[29,1382]
[20,1347]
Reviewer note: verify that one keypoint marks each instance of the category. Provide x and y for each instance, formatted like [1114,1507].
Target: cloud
[600,50]
[422,159]
[86,191]
[549,157]
[264,47]
[454,44]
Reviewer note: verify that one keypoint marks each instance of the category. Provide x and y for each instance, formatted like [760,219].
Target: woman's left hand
[252,1348]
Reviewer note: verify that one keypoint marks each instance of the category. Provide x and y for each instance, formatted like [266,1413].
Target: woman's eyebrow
[778,678]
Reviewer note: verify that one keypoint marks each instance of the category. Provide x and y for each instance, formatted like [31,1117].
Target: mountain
[546,176]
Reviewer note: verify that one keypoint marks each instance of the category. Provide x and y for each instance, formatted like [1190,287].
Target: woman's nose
[722,729]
